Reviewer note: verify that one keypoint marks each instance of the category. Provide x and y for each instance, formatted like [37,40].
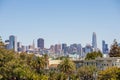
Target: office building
[105,49]
[79,49]
[88,49]
[40,43]
[24,48]
[7,44]
[19,46]
[64,48]
[13,42]
[58,48]
[94,41]
[33,45]
[52,49]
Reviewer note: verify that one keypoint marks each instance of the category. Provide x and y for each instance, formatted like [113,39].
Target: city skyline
[60,21]
[40,43]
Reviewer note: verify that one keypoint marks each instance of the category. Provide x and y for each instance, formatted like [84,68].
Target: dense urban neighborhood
[74,50]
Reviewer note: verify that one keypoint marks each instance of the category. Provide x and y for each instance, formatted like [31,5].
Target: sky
[60,21]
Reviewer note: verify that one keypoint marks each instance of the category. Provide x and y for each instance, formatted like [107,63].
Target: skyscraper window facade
[105,49]
[94,41]
[40,43]
[13,42]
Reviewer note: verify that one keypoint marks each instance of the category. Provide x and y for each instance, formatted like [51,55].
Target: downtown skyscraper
[40,43]
[13,42]
[94,41]
[105,49]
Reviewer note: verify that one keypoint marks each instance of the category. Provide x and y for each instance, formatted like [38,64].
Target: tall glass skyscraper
[105,49]
[13,42]
[94,41]
[40,43]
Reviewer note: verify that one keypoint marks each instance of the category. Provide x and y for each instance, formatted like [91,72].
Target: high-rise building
[88,48]
[64,46]
[94,41]
[79,49]
[24,48]
[30,47]
[40,43]
[13,42]
[7,44]
[19,46]
[33,45]
[104,47]
[52,49]
[73,48]
[58,48]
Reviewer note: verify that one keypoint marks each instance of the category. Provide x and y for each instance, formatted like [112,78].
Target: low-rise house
[54,63]
[100,63]
[103,63]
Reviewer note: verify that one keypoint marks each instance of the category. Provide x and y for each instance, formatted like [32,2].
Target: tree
[61,76]
[111,73]
[93,55]
[53,75]
[1,43]
[14,66]
[67,67]
[115,50]
[74,77]
[39,64]
[86,73]
[45,56]
[14,70]
[118,73]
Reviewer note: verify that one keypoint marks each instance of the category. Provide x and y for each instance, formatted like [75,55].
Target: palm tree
[61,76]
[52,75]
[86,72]
[67,67]
[38,64]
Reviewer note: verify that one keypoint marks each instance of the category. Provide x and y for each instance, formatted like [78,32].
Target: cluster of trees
[93,55]
[15,66]
[112,73]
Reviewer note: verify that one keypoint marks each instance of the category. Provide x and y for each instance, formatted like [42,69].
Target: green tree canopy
[115,50]
[1,43]
[67,66]
[15,66]
[86,73]
[111,73]
[93,55]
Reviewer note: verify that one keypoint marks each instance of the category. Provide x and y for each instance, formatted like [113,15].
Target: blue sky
[60,21]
